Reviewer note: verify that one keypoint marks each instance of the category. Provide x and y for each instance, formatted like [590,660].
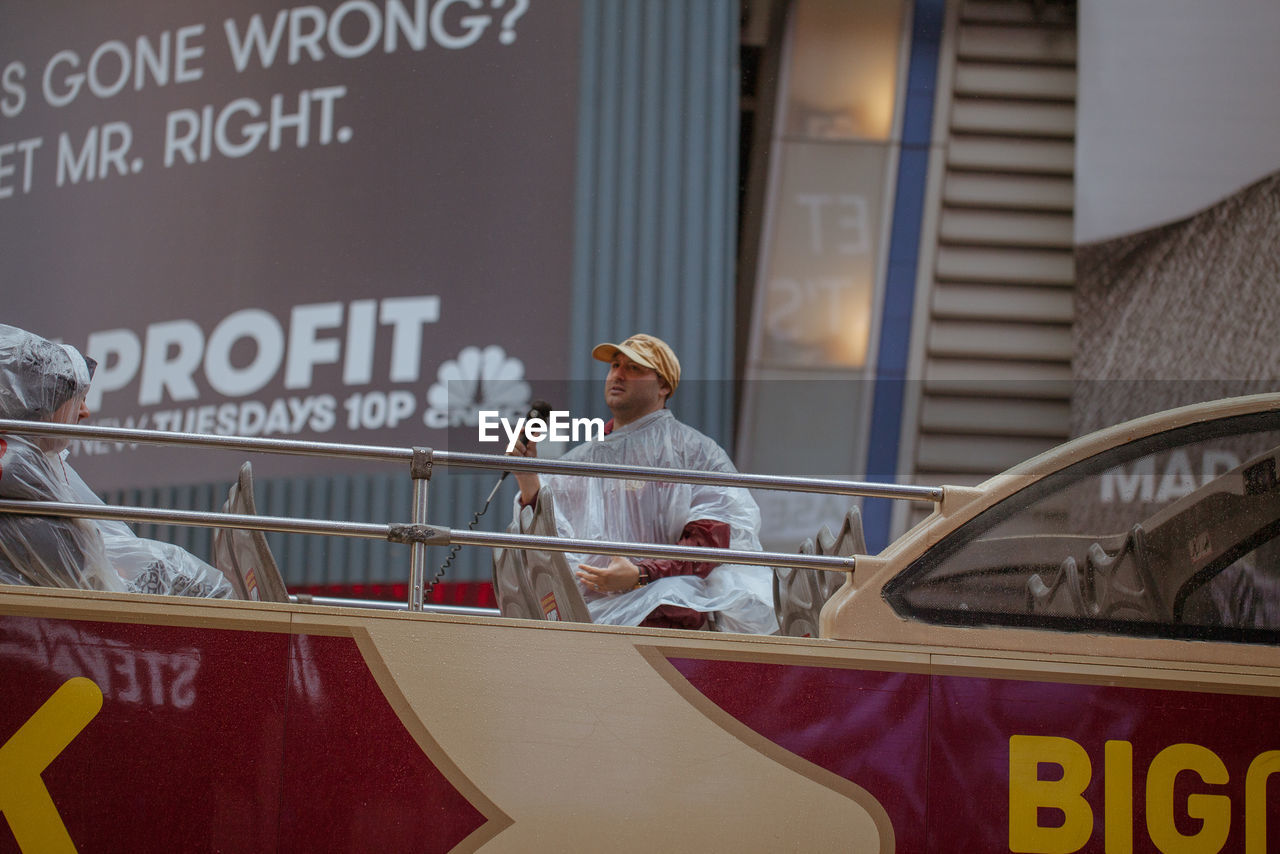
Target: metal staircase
[995,308]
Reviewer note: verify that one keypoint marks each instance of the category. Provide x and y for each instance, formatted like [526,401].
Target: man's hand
[618,577]
[528,480]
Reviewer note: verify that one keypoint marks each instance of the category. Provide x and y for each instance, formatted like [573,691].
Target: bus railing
[490,462]
[419,534]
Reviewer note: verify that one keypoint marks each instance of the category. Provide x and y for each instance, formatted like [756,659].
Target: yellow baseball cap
[645,350]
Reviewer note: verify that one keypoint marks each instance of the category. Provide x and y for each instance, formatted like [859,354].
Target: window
[822,254]
[1171,535]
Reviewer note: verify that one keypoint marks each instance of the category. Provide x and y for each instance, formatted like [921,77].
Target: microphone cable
[457,547]
[538,409]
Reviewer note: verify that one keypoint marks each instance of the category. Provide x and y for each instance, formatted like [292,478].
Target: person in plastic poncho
[44,381]
[643,374]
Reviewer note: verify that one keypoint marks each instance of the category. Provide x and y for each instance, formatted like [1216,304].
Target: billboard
[340,221]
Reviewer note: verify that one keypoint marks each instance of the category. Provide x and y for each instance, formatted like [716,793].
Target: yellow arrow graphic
[24,799]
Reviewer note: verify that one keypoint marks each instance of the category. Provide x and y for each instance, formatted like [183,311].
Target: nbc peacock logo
[478,378]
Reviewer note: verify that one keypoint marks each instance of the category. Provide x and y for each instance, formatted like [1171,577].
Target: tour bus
[1077,655]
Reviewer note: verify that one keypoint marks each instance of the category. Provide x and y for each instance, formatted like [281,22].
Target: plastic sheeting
[37,378]
[654,512]
[150,566]
[85,553]
[43,550]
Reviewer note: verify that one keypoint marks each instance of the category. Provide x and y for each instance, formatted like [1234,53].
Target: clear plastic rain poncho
[44,381]
[594,508]
[47,551]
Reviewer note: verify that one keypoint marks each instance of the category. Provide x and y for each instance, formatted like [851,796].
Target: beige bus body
[577,737]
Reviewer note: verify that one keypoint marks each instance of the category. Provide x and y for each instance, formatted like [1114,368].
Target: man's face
[632,391]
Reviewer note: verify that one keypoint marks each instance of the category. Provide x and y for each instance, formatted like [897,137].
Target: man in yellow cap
[643,375]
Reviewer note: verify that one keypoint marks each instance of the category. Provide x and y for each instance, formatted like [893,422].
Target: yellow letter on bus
[24,799]
[1028,793]
[1117,797]
[1255,801]
[1213,810]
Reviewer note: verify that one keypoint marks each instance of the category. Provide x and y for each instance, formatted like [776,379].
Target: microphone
[539,409]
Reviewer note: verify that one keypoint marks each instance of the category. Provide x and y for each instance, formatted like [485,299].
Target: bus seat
[243,556]
[510,588]
[532,584]
[799,594]
[850,541]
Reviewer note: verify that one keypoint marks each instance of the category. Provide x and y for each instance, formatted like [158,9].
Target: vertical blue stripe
[692,276]
[649,170]
[581,310]
[904,252]
[626,166]
[657,194]
[720,302]
[606,177]
[672,215]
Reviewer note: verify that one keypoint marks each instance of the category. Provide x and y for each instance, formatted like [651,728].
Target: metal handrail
[420,534]
[491,462]
[384,605]
[295,447]
[432,535]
